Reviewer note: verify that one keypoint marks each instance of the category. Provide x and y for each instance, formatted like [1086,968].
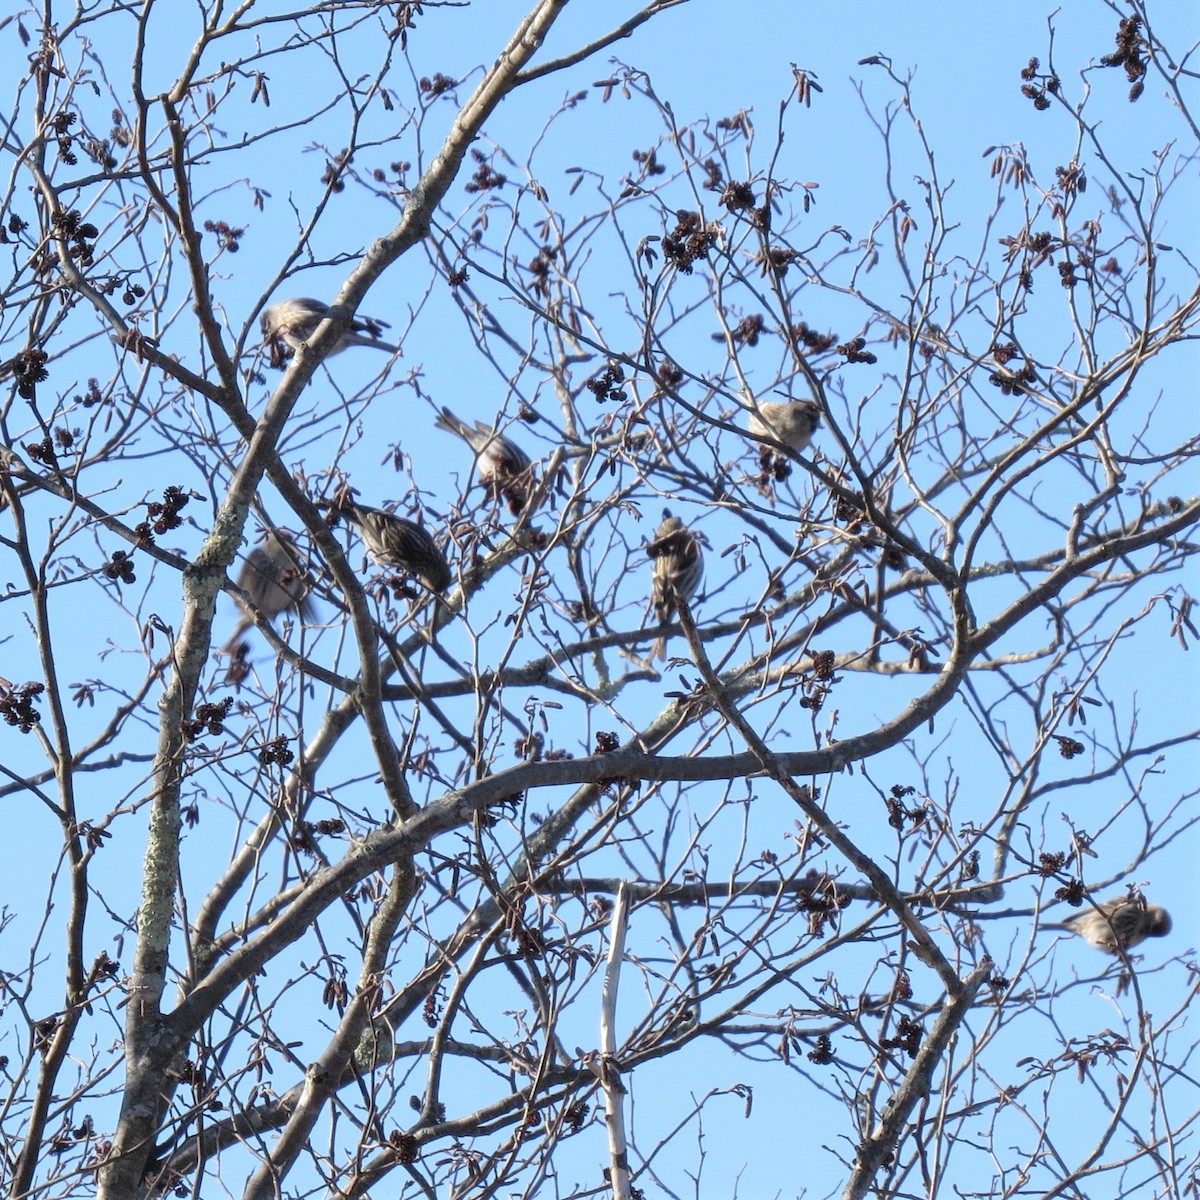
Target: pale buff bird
[791,423]
[295,321]
[678,572]
[395,541]
[274,579]
[1120,924]
[504,468]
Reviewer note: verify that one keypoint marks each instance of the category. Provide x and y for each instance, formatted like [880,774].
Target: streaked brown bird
[274,578]
[792,423]
[295,321]
[504,468]
[1120,924]
[394,541]
[678,572]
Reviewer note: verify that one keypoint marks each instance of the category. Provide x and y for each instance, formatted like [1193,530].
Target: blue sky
[705,61]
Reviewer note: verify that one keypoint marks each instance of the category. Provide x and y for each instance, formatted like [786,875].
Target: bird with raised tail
[504,468]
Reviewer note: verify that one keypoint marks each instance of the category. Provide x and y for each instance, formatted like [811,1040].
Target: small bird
[504,468]
[789,422]
[394,541]
[678,572]
[1120,924]
[605,1069]
[272,575]
[295,321]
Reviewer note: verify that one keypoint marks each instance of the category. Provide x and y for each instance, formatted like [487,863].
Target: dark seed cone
[272,575]
[394,541]
[678,572]
[295,321]
[504,468]
[1120,924]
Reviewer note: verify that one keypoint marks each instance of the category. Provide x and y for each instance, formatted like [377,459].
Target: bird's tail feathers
[448,421]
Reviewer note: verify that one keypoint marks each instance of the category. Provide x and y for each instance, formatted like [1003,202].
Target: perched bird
[605,1069]
[272,575]
[394,541]
[504,468]
[295,321]
[1120,924]
[789,422]
[678,572]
